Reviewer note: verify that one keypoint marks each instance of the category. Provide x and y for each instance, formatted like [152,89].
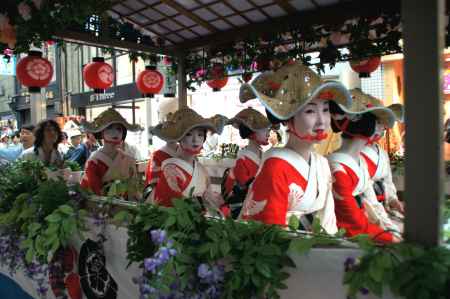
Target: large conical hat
[285,91]
[251,118]
[179,123]
[107,118]
[364,103]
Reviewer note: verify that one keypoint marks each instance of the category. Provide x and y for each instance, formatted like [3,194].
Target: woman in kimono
[110,162]
[294,180]
[153,171]
[255,127]
[182,175]
[379,166]
[357,208]
[48,135]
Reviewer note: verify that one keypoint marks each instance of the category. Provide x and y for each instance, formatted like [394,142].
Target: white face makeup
[312,121]
[193,141]
[113,134]
[261,136]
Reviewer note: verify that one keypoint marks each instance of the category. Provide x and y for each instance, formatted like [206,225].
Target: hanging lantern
[219,80]
[98,75]
[247,77]
[365,66]
[34,71]
[149,81]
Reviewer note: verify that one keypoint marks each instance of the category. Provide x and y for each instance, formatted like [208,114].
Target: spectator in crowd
[79,151]
[26,136]
[4,140]
[48,135]
[275,138]
[26,139]
[16,138]
[64,146]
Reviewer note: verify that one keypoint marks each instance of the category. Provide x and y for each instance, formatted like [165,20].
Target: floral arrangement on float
[186,255]
[38,216]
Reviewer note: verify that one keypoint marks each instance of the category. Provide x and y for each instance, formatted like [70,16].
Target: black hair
[364,125]
[39,134]
[273,119]
[28,127]
[244,131]
[17,134]
[65,135]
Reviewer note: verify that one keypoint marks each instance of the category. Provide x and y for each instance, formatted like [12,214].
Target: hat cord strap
[307,137]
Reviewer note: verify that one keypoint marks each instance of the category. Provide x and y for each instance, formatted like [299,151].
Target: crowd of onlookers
[47,142]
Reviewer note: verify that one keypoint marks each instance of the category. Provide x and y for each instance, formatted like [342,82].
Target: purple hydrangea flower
[349,264]
[158,236]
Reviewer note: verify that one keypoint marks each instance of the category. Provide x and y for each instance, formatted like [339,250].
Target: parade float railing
[152,251]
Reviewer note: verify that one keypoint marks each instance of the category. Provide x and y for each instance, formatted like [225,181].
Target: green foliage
[143,219]
[19,178]
[45,212]
[255,253]
[409,271]
[74,166]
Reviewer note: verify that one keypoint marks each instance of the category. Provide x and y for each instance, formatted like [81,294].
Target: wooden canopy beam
[286,6]
[91,40]
[333,14]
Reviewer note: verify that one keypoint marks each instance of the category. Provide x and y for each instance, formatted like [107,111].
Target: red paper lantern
[98,75]
[365,66]
[218,77]
[34,71]
[150,81]
[247,77]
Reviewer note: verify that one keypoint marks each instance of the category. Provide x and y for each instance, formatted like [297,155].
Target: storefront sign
[112,95]
[93,98]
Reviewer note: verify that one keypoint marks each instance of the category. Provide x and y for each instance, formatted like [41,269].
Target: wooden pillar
[181,80]
[424,176]
[38,105]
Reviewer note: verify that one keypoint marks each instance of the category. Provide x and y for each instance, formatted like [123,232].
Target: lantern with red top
[98,74]
[34,71]
[218,78]
[149,81]
[365,66]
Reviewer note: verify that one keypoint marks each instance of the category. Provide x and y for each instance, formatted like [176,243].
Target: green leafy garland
[37,217]
[409,271]
[254,256]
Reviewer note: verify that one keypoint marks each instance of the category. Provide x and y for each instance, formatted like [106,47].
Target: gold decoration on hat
[252,119]
[107,118]
[365,103]
[285,91]
[179,123]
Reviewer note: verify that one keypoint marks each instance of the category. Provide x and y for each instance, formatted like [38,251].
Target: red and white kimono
[178,179]
[379,167]
[357,209]
[288,185]
[244,170]
[153,171]
[101,169]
